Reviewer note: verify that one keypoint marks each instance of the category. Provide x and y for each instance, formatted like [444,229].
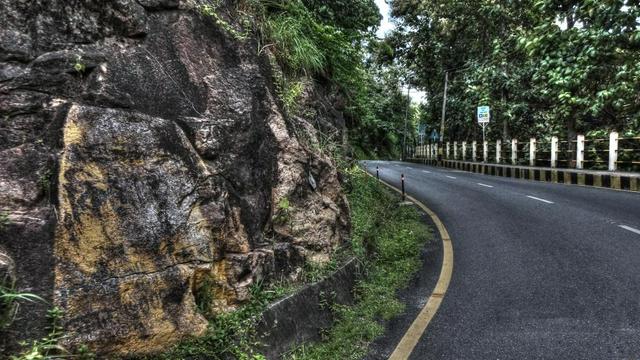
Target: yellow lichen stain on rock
[223,295]
[84,243]
[129,294]
[72,133]
[64,204]
[236,240]
[158,321]
[191,244]
[212,285]
[94,175]
[126,284]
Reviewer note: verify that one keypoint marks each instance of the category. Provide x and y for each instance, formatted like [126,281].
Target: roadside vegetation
[387,238]
[332,43]
[309,42]
[47,347]
[546,67]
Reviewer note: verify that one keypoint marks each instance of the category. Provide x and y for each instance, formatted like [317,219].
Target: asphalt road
[541,270]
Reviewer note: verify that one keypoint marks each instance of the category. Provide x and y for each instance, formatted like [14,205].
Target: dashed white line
[633,230]
[485,185]
[451,177]
[539,199]
[426,171]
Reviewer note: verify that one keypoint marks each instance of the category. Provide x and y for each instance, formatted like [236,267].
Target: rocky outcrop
[143,155]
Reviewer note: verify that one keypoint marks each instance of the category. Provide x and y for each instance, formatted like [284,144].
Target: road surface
[541,270]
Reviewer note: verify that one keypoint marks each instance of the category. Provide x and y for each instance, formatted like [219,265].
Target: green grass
[231,334]
[292,34]
[388,239]
[10,300]
[49,347]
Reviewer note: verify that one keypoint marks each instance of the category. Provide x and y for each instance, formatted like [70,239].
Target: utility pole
[444,106]
[406,115]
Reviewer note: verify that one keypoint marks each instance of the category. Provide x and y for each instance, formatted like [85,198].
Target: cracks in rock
[178,87]
[164,269]
[160,7]
[190,193]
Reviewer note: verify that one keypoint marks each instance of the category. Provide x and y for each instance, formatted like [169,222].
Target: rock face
[143,158]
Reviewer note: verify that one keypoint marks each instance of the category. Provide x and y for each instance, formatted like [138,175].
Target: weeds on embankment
[388,239]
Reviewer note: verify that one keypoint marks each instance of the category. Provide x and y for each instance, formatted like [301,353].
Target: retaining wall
[301,317]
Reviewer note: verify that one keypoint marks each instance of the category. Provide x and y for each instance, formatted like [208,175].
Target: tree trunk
[506,136]
[571,136]
[505,129]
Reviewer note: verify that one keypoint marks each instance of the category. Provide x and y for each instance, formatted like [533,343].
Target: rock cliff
[143,155]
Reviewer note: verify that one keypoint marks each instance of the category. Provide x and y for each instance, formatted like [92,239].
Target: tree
[546,67]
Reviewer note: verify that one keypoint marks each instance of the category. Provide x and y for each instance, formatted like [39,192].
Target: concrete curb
[301,317]
[610,180]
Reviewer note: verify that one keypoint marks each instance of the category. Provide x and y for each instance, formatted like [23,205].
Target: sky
[385,26]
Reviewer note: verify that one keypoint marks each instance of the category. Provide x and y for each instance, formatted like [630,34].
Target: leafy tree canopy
[546,67]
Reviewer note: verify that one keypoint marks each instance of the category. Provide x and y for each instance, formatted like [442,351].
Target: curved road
[541,270]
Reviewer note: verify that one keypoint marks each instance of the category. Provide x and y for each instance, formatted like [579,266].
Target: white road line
[485,185]
[633,230]
[543,200]
[451,177]
[426,171]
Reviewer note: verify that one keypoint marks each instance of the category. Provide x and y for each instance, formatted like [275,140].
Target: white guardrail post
[464,151]
[448,150]
[532,152]
[514,151]
[580,152]
[498,151]
[474,151]
[613,151]
[485,151]
[455,150]
[554,151]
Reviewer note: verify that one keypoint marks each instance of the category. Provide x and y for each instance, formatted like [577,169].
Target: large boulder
[143,155]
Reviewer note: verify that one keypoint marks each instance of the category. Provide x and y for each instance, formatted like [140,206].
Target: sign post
[434,135]
[484,116]
[422,130]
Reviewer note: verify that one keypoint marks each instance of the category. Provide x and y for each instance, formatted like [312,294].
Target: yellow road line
[414,333]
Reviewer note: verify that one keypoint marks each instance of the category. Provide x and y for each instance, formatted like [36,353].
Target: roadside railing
[613,154]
